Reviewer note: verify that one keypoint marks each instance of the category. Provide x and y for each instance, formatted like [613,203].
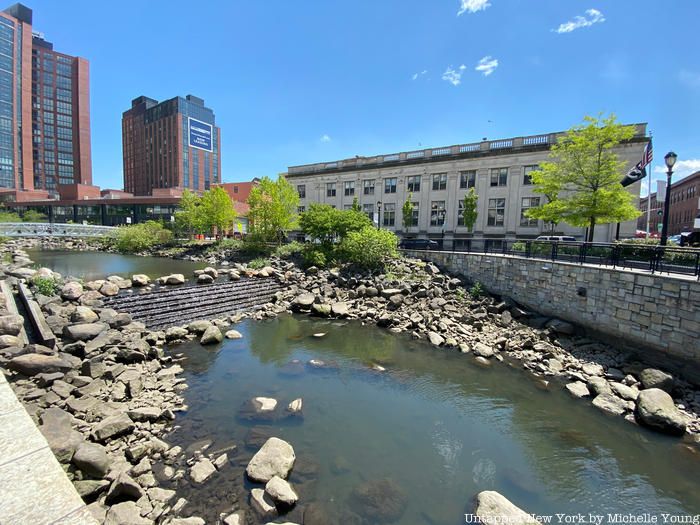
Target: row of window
[683,194]
[496,212]
[467,179]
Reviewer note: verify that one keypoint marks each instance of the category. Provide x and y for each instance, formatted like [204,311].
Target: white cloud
[454,76]
[325,138]
[593,16]
[682,168]
[690,78]
[472,6]
[416,75]
[487,65]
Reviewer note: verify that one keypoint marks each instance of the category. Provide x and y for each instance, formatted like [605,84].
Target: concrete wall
[656,316]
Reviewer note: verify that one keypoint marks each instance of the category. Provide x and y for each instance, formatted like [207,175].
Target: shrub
[258,264]
[288,250]
[46,285]
[9,216]
[254,246]
[315,256]
[369,247]
[476,290]
[139,237]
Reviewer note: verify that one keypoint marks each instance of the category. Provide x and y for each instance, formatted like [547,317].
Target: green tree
[583,178]
[407,212]
[9,216]
[217,210]
[273,209]
[33,216]
[369,247]
[326,224]
[356,205]
[469,212]
[190,217]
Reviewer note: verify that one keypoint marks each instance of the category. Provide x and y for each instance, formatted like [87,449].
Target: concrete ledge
[33,486]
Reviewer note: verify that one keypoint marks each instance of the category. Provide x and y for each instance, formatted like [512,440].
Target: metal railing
[47,229]
[652,258]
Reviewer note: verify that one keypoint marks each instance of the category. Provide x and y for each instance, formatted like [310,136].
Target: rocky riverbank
[107,394]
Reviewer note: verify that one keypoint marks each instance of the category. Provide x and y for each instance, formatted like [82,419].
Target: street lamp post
[442,213]
[379,215]
[670,160]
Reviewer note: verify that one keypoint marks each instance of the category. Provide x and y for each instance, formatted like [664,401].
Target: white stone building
[437,180]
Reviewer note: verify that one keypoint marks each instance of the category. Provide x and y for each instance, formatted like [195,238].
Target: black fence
[653,258]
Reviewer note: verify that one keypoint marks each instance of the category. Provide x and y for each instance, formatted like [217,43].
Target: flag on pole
[639,172]
[647,156]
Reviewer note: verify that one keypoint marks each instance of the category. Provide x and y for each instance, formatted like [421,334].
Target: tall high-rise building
[170,146]
[44,112]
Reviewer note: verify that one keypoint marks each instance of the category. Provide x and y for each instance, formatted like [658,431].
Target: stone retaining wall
[656,316]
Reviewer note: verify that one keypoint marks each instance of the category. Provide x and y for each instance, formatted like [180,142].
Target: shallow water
[435,423]
[90,265]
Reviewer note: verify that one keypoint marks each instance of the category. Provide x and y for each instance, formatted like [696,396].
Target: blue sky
[309,81]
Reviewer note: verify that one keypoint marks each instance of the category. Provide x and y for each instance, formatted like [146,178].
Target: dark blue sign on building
[200,134]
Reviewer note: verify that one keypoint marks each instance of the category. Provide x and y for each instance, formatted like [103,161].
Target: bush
[315,255]
[46,285]
[139,237]
[9,216]
[369,247]
[476,290]
[258,264]
[254,246]
[288,250]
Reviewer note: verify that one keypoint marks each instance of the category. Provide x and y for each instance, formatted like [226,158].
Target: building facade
[436,180]
[174,144]
[685,207]
[44,112]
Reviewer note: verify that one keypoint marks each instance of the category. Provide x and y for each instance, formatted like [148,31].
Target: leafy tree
[356,205]
[469,212]
[583,179]
[190,217]
[326,224]
[369,247]
[217,210]
[273,209]
[138,237]
[33,216]
[407,212]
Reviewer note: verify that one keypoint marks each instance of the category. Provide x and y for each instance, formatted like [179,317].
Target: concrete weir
[165,307]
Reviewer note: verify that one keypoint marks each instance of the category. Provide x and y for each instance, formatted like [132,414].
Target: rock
[145,414]
[379,501]
[7,341]
[578,389]
[655,409]
[84,331]
[72,291]
[435,338]
[303,301]
[125,513]
[625,392]
[123,488]
[654,378]
[91,488]
[202,470]
[175,332]
[593,369]
[281,491]
[340,309]
[237,518]
[275,458]
[57,428]
[32,364]
[264,404]
[211,336]
[11,324]
[199,327]
[262,504]
[83,314]
[221,461]
[388,292]
[611,404]
[233,334]
[175,278]
[599,385]
[113,426]
[492,507]
[91,459]
[483,350]
[161,495]
[109,289]
[192,520]
[323,310]
[140,279]
[295,406]
[234,276]
[205,278]
[318,335]
[561,327]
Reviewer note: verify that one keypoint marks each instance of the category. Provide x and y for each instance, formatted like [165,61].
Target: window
[330,189]
[349,188]
[527,178]
[414,183]
[499,176]
[390,185]
[527,203]
[235,189]
[414,214]
[439,181]
[347,207]
[437,213]
[467,179]
[368,209]
[497,212]
[368,186]
[460,213]
[389,217]
[301,190]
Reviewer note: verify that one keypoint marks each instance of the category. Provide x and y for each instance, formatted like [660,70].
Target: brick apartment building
[685,207]
[44,112]
[170,145]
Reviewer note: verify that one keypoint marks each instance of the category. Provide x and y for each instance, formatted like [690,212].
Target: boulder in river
[281,491]
[655,378]
[140,279]
[211,336]
[492,507]
[655,409]
[379,501]
[275,458]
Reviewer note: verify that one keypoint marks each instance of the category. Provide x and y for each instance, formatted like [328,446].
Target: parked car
[556,238]
[418,244]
